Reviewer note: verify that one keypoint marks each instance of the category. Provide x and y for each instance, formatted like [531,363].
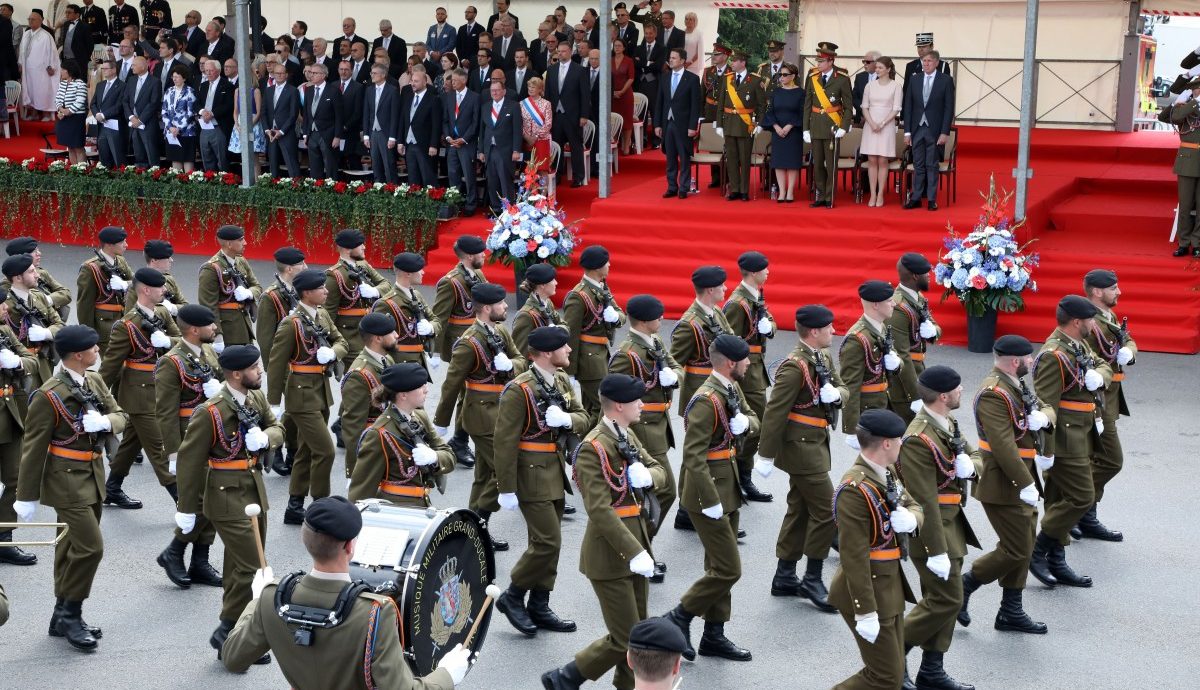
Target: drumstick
[252,512]
[493,592]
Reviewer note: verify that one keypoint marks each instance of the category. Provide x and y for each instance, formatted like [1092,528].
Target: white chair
[589,137]
[616,123]
[12,93]
[710,150]
[641,103]
[552,174]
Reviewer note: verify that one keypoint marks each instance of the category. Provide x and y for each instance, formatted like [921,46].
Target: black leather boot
[683,521]
[462,449]
[907,683]
[1090,527]
[785,583]
[660,572]
[932,676]
[497,544]
[173,491]
[969,585]
[294,513]
[714,643]
[681,618]
[336,428]
[512,604]
[52,631]
[543,617]
[750,491]
[282,462]
[1039,564]
[202,572]
[813,588]
[171,560]
[568,509]
[563,678]
[1076,533]
[14,555]
[115,496]
[139,458]
[1012,615]
[217,639]
[71,626]
[1057,560]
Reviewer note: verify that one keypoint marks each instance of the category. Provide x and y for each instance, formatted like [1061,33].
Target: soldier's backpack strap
[309,617]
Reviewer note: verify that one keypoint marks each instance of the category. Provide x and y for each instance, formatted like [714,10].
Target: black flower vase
[981,331]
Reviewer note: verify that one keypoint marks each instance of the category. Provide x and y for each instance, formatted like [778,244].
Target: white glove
[509,501]
[94,422]
[867,628]
[764,466]
[720,131]
[38,333]
[1093,380]
[277,411]
[116,283]
[435,362]
[766,326]
[611,315]
[1037,420]
[1043,462]
[557,418]
[715,512]
[892,361]
[242,293]
[1194,72]
[1029,495]
[668,378]
[424,327]
[1183,98]
[349,481]
[211,387]
[456,662]
[159,339]
[839,134]
[927,330]
[9,359]
[807,137]
[963,468]
[256,439]
[939,565]
[829,394]
[367,291]
[757,129]
[852,441]
[171,307]
[1099,425]
[639,476]
[173,463]
[262,578]
[325,354]
[502,362]
[1124,356]
[642,564]
[442,431]
[423,455]
[916,406]
[903,520]
[186,522]
[25,510]
[219,345]
[739,424]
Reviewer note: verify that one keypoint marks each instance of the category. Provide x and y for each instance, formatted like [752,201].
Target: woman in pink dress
[882,101]
[622,86]
[536,118]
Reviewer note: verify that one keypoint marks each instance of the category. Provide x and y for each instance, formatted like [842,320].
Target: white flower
[523,233]
[377,186]
[989,229]
[505,235]
[543,252]
[973,272]
[285,180]
[955,256]
[991,279]
[947,284]
[1005,233]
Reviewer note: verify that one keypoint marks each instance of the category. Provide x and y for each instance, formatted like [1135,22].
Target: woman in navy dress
[783,118]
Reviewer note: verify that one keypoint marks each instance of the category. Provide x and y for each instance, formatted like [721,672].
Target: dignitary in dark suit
[466,39]
[351,132]
[96,20]
[649,62]
[75,36]
[381,124]
[518,77]
[349,26]
[395,46]
[928,114]
[567,91]
[299,36]
[460,132]
[168,57]
[190,35]
[143,105]
[500,144]
[627,32]
[214,109]
[676,118]
[861,80]
[544,55]
[323,114]
[480,76]
[671,36]
[218,46]
[420,128]
[108,106]
[507,42]
[281,107]
[502,13]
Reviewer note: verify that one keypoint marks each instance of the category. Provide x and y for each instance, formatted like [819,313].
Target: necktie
[316,99]
[342,86]
[278,93]
[457,103]
[674,83]
[137,90]
[504,47]
[593,77]
[378,96]
[927,88]
[739,80]
[824,80]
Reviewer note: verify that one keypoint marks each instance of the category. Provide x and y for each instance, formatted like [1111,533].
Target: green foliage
[750,30]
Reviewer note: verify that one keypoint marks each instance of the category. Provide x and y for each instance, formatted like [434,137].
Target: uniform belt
[461,320]
[410,348]
[187,411]
[740,111]
[228,465]
[593,339]
[1188,145]
[306,368]
[826,111]
[1028,453]
[805,419]
[723,454]
[710,101]
[756,349]
[229,305]
[359,311]
[949,499]
[72,454]
[485,387]
[885,554]
[110,307]
[874,387]
[139,366]
[917,356]
[1077,406]
[1119,376]
[655,407]
[699,371]
[627,511]
[537,447]
[398,489]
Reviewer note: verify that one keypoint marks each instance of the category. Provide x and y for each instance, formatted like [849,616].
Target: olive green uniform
[452,306]
[61,467]
[738,119]
[864,375]
[690,340]
[534,314]
[14,395]
[96,303]
[591,336]
[407,308]
[1108,457]
[869,578]
[769,73]
[345,302]
[276,302]
[359,408]
[905,324]
[1186,116]
[217,284]
[713,81]
[820,121]
[743,311]
[171,293]
[386,468]
[40,306]
[59,295]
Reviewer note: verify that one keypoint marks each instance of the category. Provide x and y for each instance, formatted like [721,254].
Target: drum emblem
[454,604]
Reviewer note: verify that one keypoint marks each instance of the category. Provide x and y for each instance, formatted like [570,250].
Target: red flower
[182,177]
[229,179]
[319,183]
[209,174]
[979,282]
[339,187]
[389,188]
[437,193]
[362,190]
[157,175]
[275,180]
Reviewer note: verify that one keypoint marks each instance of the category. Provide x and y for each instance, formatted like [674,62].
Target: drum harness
[309,618]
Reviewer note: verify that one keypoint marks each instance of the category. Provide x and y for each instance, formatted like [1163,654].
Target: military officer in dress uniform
[924,44]
[713,82]
[741,102]
[541,282]
[228,287]
[748,317]
[17,365]
[454,312]
[58,294]
[31,316]
[400,453]
[415,324]
[873,514]
[592,317]
[184,378]
[1011,422]
[804,403]
[538,414]
[330,531]
[102,283]
[913,329]
[307,348]
[360,408]
[220,474]
[769,70]
[160,256]
[353,286]
[62,466]
[1185,114]
[614,473]
[717,421]
[276,302]
[870,366]
[827,97]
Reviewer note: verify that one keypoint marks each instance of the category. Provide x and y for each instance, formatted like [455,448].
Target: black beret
[875,291]
[882,423]
[622,388]
[487,293]
[644,307]
[196,315]
[289,256]
[593,257]
[377,323]
[753,262]
[548,338]
[158,249]
[21,245]
[814,316]
[238,357]
[1012,346]
[1100,278]
[309,279]
[350,238]
[16,265]
[230,232]
[658,635]
[540,274]
[732,347]
[469,244]
[149,276]
[408,262]
[75,339]
[1078,307]
[916,263]
[112,235]
[708,276]
[940,378]
[334,516]
[404,377]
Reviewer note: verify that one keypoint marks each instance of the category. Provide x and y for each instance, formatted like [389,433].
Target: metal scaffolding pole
[241,30]
[602,128]
[1023,172]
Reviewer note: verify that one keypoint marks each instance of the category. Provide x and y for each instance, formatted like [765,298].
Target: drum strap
[310,617]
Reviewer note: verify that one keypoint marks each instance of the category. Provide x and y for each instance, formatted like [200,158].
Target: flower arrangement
[986,269]
[531,230]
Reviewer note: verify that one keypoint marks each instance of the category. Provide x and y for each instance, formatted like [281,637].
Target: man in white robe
[39,69]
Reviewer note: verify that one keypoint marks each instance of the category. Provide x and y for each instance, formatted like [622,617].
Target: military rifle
[421,312]
[151,323]
[549,394]
[239,280]
[1085,361]
[111,269]
[1030,402]
[335,368]
[248,418]
[1123,332]
[36,319]
[416,431]
[105,441]
[290,298]
[892,497]
[16,376]
[659,354]
[651,508]
[733,407]
[958,446]
[825,376]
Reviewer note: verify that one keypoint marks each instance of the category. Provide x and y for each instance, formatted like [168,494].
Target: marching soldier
[276,302]
[353,286]
[1070,377]
[694,333]
[62,466]
[873,514]
[717,421]
[805,401]
[912,327]
[228,287]
[415,323]
[144,334]
[541,282]
[220,474]
[454,312]
[484,360]
[748,318]
[714,82]
[614,473]
[17,364]
[31,316]
[185,377]
[400,453]
[1111,340]
[1185,114]
[102,283]
[935,464]
[306,351]
[826,119]
[360,408]
[538,414]
[592,316]
[1011,422]
[870,366]
[58,294]
[741,101]
[160,256]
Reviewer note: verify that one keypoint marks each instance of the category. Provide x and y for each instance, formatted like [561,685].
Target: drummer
[400,453]
[333,657]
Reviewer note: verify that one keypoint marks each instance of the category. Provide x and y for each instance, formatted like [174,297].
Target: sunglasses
[868,62]
[787,74]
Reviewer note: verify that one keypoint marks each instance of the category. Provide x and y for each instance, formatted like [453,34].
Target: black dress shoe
[752,492]
[543,616]
[563,678]
[120,499]
[741,534]
[813,589]
[714,643]
[733,196]
[1196,252]
[933,206]
[462,452]
[282,463]
[568,509]
[683,194]
[660,572]
[171,560]
[512,604]
[14,555]
[1181,251]
[819,203]
[139,458]
[499,544]
[1076,533]
[910,204]
[263,660]
[1090,526]
[669,193]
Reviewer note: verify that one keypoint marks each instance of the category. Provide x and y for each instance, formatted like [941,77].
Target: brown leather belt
[536,447]
[1027,453]
[72,454]
[485,387]
[593,339]
[398,489]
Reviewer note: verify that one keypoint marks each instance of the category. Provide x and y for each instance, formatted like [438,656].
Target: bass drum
[436,566]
